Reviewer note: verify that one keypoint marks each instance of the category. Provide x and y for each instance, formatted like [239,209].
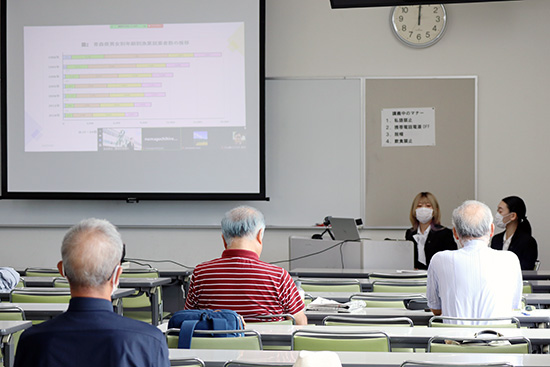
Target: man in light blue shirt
[8,279]
[475,281]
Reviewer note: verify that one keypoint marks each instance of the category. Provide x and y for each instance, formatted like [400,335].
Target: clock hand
[419,12]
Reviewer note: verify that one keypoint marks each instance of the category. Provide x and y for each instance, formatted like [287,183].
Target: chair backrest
[42,272]
[61,283]
[398,276]
[325,285]
[138,305]
[274,319]
[417,286]
[443,344]
[527,287]
[361,321]
[40,295]
[380,301]
[188,362]
[444,364]
[210,339]
[496,322]
[337,341]
[140,273]
[11,313]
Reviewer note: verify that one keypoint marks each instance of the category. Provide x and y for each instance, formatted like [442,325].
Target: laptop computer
[344,229]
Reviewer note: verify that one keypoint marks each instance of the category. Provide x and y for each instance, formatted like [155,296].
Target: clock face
[419,25]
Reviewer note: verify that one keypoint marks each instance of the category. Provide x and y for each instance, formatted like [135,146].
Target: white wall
[505,44]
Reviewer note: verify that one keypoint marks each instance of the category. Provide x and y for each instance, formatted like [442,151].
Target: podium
[365,254]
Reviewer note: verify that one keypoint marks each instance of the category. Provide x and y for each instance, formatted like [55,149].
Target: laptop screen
[344,229]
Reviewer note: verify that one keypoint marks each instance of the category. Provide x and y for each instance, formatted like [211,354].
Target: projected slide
[108,87]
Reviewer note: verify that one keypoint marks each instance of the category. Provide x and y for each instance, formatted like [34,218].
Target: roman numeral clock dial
[419,25]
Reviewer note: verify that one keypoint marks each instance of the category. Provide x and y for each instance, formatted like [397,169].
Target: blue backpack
[190,320]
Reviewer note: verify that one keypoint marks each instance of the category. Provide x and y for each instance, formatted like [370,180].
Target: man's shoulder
[220,261]
[503,255]
[443,255]
[110,322]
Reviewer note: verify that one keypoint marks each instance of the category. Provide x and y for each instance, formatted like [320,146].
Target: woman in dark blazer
[512,216]
[427,233]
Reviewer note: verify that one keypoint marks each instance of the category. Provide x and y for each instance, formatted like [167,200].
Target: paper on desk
[323,304]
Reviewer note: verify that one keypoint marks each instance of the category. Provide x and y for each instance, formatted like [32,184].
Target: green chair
[288,319]
[188,362]
[61,283]
[500,344]
[379,322]
[495,322]
[527,287]
[138,305]
[379,300]
[394,286]
[42,272]
[40,295]
[443,364]
[251,340]
[362,321]
[326,285]
[12,313]
[338,341]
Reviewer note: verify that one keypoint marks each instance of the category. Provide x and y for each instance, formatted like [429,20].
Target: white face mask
[424,215]
[499,220]
[114,280]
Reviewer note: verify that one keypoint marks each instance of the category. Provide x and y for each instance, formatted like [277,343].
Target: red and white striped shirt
[240,281]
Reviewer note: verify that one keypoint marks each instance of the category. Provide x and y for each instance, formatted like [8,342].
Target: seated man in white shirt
[8,279]
[475,281]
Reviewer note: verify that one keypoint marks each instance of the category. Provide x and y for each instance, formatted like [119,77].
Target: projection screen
[133,99]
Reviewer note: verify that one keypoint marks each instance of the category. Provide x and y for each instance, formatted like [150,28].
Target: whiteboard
[313,168]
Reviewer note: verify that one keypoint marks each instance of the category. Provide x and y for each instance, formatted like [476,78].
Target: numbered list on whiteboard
[408,127]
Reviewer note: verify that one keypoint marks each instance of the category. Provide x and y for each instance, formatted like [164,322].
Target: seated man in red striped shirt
[238,280]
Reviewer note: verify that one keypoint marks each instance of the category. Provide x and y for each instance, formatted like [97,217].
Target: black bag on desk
[190,320]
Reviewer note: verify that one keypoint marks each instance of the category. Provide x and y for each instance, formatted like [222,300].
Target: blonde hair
[435,206]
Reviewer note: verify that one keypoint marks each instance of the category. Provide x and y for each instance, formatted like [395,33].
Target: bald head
[90,251]
[473,220]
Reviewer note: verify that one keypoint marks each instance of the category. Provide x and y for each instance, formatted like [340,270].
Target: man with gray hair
[474,281]
[238,280]
[90,333]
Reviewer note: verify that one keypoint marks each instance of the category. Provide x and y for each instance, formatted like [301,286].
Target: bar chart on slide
[135,86]
[79,79]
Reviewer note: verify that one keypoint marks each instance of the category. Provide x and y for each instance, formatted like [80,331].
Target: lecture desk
[400,337]
[173,293]
[364,273]
[217,358]
[118,294]
[8,328]
[145,285]
[39,311]
[540,300]
[421,317]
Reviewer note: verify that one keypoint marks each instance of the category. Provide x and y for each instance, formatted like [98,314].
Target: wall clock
[419,25]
